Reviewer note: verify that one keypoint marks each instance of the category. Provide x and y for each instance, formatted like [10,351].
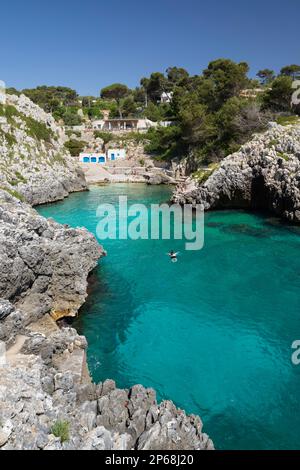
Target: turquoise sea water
[212,332]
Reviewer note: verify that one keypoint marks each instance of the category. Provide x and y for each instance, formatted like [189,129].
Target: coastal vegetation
[61,429]
[211,114]
[35,129]
[75,147]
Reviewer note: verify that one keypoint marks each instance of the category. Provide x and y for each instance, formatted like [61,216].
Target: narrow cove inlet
[212,332]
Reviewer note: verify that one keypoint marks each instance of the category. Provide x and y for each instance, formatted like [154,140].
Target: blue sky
[87,44]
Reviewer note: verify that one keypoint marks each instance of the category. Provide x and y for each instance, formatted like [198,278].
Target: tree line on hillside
[211,115]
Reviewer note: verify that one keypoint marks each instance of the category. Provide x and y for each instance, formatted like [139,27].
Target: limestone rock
[36,164]
[263,174]
[6,308]
[5,432]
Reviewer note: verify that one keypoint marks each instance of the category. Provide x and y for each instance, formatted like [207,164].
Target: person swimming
[173,256]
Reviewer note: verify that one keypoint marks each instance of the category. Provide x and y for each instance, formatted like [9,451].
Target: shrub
[10,138]
[75,147]
[283,155]
[71,117]
[287,120]
[137,137]
[69,133]
[20,177]
[14,193]
[9,112]
[272,143]
[165,142]
[38,130]
[58,158]
[61,429]
[105,136]
[202,175]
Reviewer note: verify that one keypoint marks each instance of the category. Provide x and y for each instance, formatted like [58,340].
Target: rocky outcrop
[44,265]
[43,406]
[34,164]
[263,175]
[157,176]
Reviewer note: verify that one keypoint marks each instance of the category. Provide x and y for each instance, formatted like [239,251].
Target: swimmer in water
[173,256]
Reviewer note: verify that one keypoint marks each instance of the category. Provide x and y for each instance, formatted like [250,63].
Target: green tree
[75,147]
[176,75]
[291,71]
[71,118]
[50,97]
[154,86]
[211,118]
[154,112]
[93,112]
[228,78]
[116,91]
[266,76]
[12,91]
[88,101]
[128,106]
[139,95]
[278,98]
[166,142]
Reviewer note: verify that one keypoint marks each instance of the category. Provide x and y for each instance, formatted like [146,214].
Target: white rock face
[263,174]
[2,353]
[34,164]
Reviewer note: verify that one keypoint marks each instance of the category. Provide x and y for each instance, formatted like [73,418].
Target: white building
[123,125]
[116,154]
[166,97]
[86,157]
[98,124]
[166,123]
[102,158]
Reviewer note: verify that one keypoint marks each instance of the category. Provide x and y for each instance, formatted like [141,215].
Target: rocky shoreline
[47,399]
[263,175]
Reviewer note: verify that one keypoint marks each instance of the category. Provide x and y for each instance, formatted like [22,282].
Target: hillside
[34,164]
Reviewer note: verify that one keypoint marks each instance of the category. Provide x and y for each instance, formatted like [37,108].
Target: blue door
[112,157]
[101,160]
[86,159]
[94,160]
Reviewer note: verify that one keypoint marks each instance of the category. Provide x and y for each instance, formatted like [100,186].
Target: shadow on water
[245,229]
[104,319]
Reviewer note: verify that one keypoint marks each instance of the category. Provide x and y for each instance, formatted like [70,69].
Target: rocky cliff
[34,164]
[263,175]
[47,399]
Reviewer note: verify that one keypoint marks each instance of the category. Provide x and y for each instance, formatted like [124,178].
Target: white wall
[93,156]
[118,153]
[98,124]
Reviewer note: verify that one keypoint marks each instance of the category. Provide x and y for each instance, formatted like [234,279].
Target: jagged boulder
[38,258]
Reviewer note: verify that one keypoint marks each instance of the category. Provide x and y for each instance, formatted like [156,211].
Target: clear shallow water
[212,332]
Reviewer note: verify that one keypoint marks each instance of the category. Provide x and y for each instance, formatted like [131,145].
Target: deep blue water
[212,332]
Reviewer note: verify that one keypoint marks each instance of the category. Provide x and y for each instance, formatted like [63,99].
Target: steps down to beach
[95,173]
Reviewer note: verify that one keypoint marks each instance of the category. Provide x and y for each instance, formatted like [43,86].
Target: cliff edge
[263,175]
